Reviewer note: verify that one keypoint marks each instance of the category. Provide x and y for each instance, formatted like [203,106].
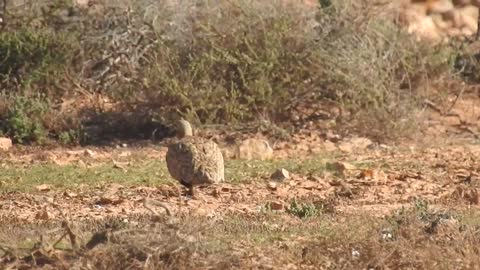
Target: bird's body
[193,160]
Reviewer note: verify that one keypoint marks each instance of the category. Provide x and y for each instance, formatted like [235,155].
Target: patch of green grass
[26,178]
[141,172]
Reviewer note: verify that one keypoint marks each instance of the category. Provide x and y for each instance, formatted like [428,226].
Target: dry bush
[152,244]
[408,239]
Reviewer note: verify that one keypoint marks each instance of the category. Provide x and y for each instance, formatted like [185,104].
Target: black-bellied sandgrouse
[193,160]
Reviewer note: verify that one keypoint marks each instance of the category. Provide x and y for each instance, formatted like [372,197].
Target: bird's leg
[179,194]
[191,192]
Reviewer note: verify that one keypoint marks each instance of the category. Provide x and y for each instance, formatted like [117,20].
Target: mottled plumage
[193,160]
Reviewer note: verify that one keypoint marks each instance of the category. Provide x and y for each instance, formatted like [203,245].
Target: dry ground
[346,205]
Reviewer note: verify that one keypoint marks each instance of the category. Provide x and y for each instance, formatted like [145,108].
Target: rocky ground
[324,177]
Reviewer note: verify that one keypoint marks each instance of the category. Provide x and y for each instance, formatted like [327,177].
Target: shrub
[374,68]
[31,56]
[24,120]
[222,62]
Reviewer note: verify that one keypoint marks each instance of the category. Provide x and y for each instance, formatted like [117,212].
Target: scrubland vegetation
[81,76]
[127,68]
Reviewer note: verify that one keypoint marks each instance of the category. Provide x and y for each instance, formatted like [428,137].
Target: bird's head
[183,129]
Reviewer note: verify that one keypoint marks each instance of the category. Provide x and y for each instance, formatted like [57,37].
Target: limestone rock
[254,149]
[5,144]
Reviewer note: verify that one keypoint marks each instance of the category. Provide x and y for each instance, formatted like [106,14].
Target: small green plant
[24,121]
[302,210]
[71,136]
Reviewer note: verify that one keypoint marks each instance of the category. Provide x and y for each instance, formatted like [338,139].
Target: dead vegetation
[412,237]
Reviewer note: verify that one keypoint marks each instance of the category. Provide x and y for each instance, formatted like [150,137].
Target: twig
[456,99]
[477,36]
[147,204]
[432,105]
[60,239]
[71,235]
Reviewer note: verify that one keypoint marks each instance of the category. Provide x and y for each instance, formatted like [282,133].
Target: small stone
[82,3]
[272,185]
[43,199]
[329,135]
[5,144]
[42,187]
[276,206]
[280,175]
[360,143]
[89,153]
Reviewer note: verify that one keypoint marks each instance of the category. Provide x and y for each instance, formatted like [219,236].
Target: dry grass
[412,238]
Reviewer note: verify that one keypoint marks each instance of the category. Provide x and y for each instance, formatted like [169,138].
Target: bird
[193,160]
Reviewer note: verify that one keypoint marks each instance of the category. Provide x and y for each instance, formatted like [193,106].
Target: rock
[254,149]
[439,6]
[280,175]
[5,143]
[354,144]
[360,143]
[329,135]
[277,206]
[272,185]
[345,147]
[43,199]
[89,153]
[425,28]
[42,187]
[82,3]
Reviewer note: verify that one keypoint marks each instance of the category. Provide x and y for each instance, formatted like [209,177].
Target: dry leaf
[70,194]
[366,174]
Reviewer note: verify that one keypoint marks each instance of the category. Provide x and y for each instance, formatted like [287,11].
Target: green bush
[234,63]
[24,120]
[31,56]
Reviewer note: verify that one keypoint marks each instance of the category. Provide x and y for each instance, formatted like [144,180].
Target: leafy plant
[24,121]
[302,210]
